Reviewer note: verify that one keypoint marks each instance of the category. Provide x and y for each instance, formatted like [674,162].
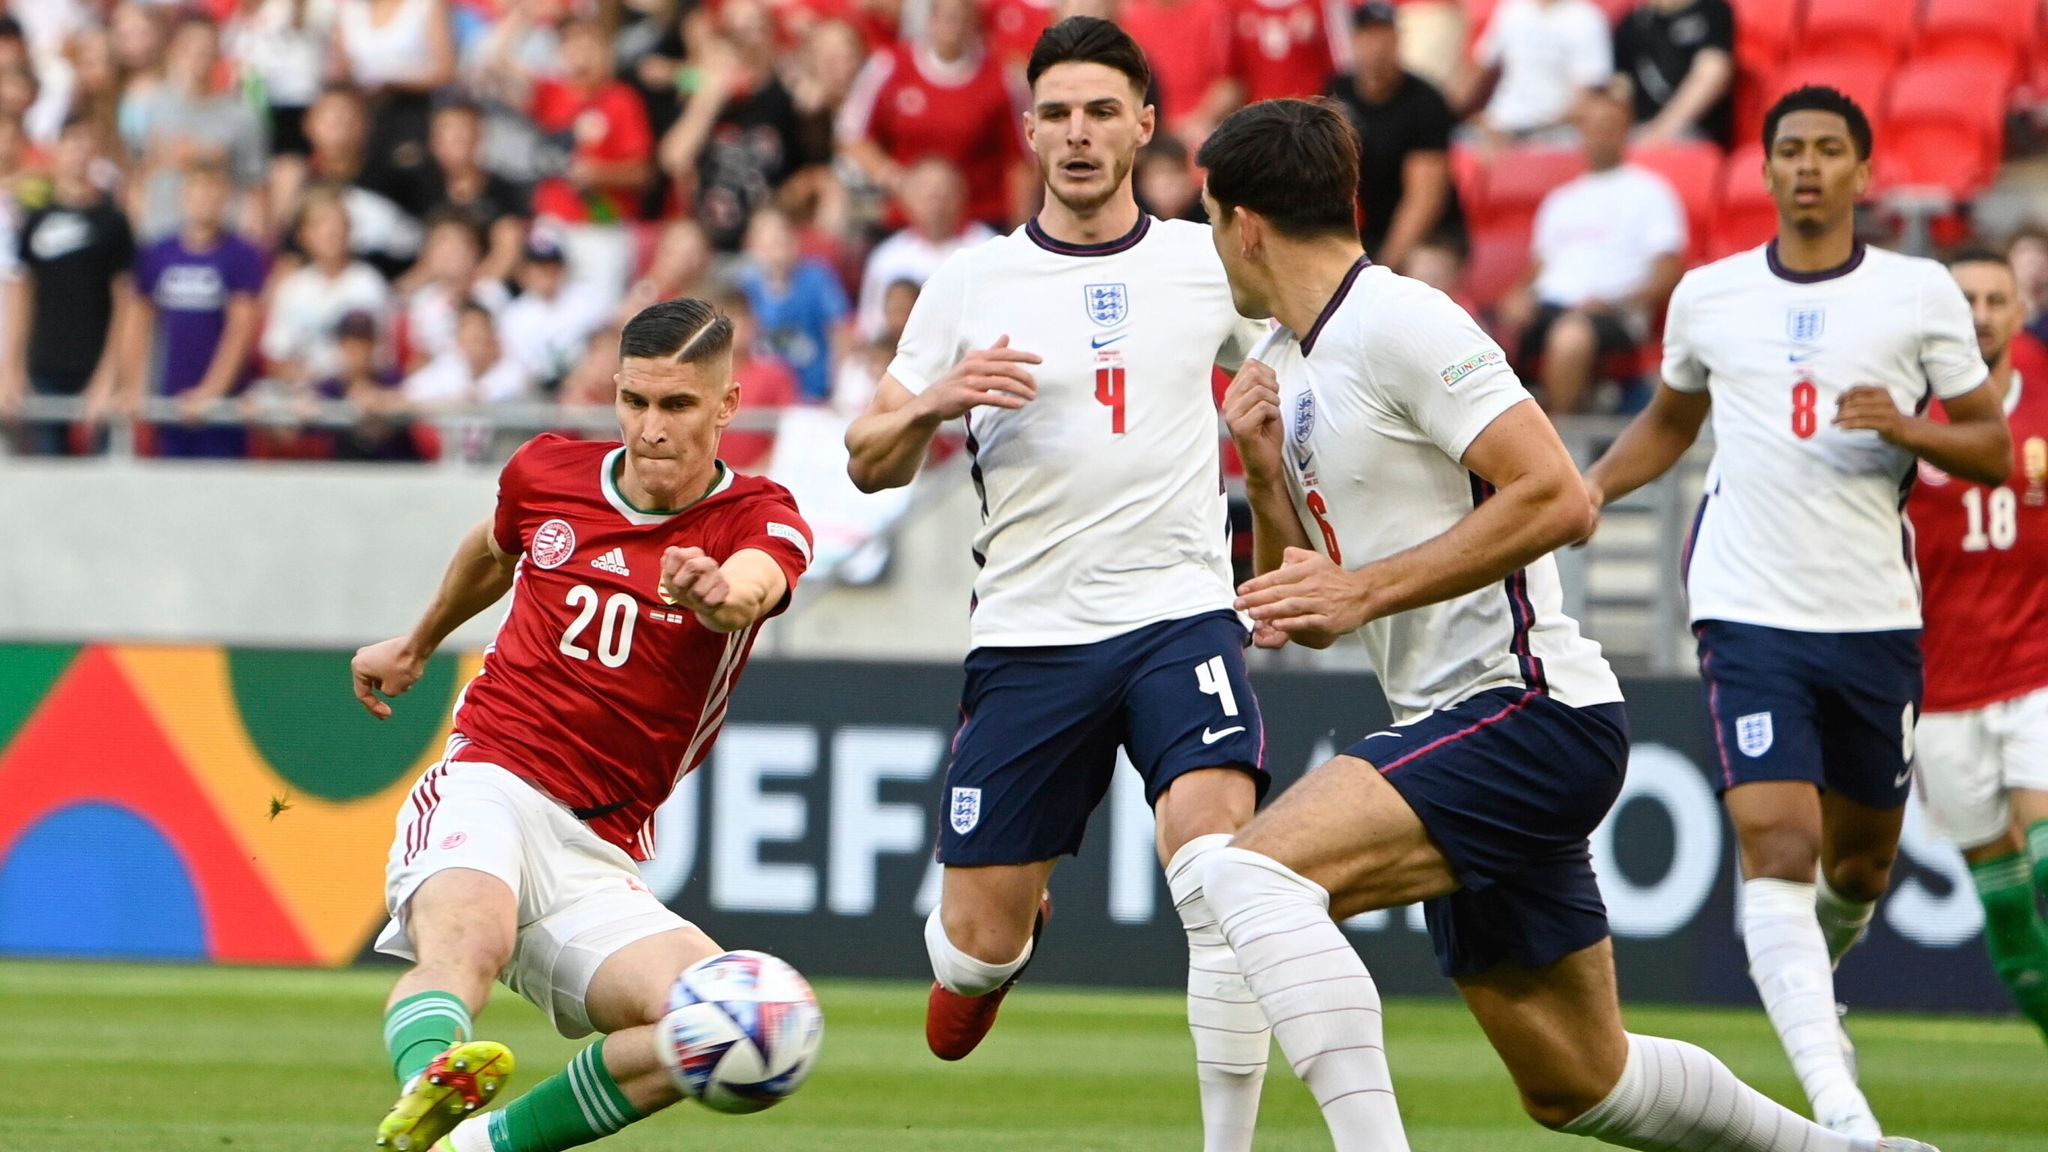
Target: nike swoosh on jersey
[1105,341]
[1801,357]
[1209,737]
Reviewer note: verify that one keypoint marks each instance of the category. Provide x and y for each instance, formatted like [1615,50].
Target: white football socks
[1844,922]
[1676,1096]
[959,972]
[1788,960]
[1323,1005]
[1232,1039]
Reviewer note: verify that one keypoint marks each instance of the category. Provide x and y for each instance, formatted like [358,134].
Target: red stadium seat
[1763,31]
[1693,169]
[1477,13]
[1987,33]
[1499,257]
[1747,215]
[1855,76]
[1615,9]
[1517,183]
[1876,29]
[1944,127]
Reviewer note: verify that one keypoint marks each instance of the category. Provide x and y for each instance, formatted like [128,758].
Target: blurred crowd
[407,206]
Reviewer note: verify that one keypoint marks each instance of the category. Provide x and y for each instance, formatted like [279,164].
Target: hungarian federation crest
[553,543]
[965,811]
[1753,734]
[1108,304]
[1804,325]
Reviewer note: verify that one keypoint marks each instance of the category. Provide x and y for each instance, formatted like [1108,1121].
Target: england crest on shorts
[1108,304]
[1753,734]
[965,811]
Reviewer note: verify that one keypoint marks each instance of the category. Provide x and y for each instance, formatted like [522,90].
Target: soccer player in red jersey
[640,572]
[1983,733]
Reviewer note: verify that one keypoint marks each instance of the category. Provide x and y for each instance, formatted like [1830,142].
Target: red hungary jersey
[595,690]
[1984,560]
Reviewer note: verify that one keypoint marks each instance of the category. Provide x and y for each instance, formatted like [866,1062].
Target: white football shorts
[581,899]
[1968,761]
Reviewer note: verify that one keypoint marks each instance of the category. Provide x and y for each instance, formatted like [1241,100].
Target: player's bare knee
[1555,1109]
[1780,852]
[1863,877]
[989,935]
[1571,335]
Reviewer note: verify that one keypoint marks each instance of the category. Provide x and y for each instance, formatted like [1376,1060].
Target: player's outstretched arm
[1538,506]
[887,444]
[1649,446]
[726,597]
[1975,444]
[479,576]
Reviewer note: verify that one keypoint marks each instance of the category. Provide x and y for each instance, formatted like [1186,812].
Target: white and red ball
[741,1032]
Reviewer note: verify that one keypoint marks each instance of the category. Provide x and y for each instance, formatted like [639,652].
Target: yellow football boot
[460,1081]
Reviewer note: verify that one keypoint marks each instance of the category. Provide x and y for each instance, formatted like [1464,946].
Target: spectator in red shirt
[941,95]
[1187,44]
[1013,27]
[601,124]
[1279,48]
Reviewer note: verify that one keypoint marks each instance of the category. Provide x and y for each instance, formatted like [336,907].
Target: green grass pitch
[119,1058]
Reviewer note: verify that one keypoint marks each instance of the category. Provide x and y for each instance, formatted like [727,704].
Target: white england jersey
[1380,399]
[1102,500]
[1803,524]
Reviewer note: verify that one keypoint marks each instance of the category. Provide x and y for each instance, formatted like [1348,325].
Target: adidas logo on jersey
[613,562]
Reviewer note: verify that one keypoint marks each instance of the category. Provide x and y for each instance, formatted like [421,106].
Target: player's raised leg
[461,923]
[614,1082]
[1559,1031]
[1195,818]
[979,939]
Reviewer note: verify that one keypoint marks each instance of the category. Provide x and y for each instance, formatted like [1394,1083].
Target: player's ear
[1148,123]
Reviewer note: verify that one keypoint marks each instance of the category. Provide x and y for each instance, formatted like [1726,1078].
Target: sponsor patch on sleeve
[1469,365]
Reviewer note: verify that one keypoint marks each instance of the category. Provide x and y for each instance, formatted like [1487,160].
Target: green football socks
[421,1027]
[2037,848]
[2014,933]
[575,1106]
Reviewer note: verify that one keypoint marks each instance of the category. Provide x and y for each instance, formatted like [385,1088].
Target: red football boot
[954,1024]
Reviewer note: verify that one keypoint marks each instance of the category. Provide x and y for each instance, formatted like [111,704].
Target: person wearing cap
[383,429]
[545,326]
[1404,126]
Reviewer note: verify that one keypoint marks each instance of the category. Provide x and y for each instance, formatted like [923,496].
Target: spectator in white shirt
[934,200]
[1547,53]
[445,279]
[1608,249]
[305,306]
[475,370]
[545,326]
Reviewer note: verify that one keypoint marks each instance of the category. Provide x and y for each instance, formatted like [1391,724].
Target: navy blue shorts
[1041,726]
[1509,784]
[1835,709]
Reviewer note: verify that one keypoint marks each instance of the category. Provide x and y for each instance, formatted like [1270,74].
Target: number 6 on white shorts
[1214,680]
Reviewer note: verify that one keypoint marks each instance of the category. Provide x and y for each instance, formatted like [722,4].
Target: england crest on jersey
[1804,325]
[1753,734]
[1108,304]
[965,811]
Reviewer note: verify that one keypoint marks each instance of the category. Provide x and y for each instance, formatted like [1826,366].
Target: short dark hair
[1978,254]
[685,330]
[1089,40]
[1295,162]
[1820,98]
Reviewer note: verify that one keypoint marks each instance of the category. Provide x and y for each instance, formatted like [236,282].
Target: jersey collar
[640,517]
[1123,243]
[1308,339]
[1854,262]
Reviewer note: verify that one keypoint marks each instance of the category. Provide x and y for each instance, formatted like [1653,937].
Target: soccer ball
[741,1031]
